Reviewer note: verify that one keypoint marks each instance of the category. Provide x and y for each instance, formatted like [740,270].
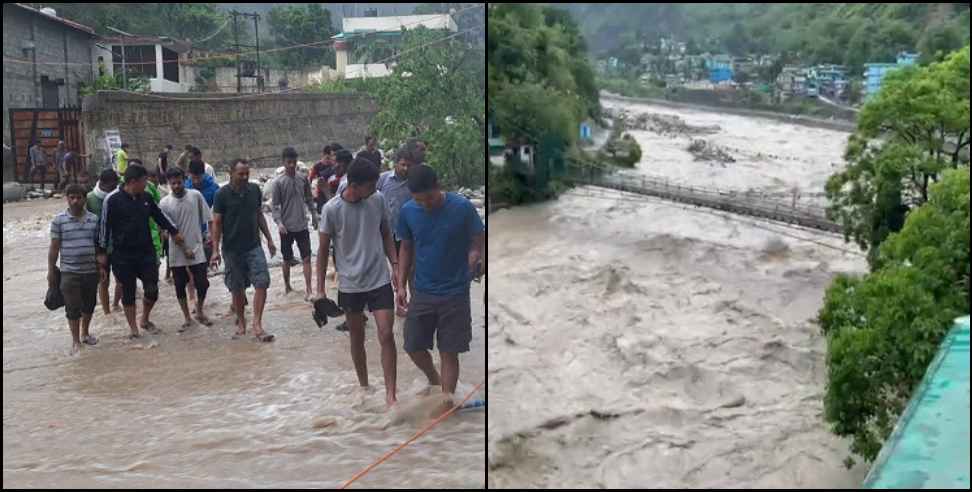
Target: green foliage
[108,83]
[540,86]
[293,25]
[185,21]
[623,152]
[821,33]
[901,146]
[433,93]
[884,329]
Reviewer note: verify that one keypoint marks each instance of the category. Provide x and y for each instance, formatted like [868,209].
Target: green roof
[929,448]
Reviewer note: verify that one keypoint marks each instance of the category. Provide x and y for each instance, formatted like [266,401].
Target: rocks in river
[704,150]
[663,124]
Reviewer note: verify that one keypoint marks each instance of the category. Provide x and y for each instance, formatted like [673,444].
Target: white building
[357,31]
[157,58]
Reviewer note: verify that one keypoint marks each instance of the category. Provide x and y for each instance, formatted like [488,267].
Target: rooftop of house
[67,22]
[353,25]
[176,45]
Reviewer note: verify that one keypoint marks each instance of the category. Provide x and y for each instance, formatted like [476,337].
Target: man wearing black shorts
[290,194]
[357,222]
[124,222]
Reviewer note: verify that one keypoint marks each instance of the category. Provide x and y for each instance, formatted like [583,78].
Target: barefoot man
[291,193]
[443,233]
[189,211]
[237,218]
[357,222]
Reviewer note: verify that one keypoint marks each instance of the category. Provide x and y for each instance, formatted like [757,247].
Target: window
[170,65]
[139,60]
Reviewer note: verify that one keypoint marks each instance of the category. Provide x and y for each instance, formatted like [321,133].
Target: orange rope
[416,436]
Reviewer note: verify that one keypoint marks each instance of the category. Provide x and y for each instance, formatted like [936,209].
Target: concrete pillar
[158,63]
[341,56]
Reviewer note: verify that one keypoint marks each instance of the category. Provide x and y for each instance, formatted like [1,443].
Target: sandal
[185,326]
[204,320]
[264,337]
[151,328]
[134,336]
[90,340]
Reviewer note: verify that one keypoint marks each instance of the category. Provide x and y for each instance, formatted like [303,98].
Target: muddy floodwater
[202,410]
[642,343]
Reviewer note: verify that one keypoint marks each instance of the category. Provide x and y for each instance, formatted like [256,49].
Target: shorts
[146,270]
[80,291]
[303,244]
[245,269]
[446,319]
[377,300]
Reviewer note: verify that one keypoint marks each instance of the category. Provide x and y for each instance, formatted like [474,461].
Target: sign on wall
[112,144]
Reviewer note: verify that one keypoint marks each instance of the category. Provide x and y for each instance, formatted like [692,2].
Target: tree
[434,93]
[884,329]
[938,42]
[293,25]
[914,128]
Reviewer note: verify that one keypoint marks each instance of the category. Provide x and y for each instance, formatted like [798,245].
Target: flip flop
[238,335]
[204,320]
[151,328]
[185,326]
[264,337]
[342,327]
[132,336]
[90,340]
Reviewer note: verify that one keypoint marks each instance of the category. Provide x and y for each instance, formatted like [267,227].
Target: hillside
[836,33]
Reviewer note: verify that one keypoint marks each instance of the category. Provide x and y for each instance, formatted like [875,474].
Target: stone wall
[223,126]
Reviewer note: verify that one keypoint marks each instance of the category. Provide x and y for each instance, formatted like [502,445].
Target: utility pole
[237,46]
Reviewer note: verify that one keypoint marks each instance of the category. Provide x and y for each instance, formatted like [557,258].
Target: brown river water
[202,410]
[640,343]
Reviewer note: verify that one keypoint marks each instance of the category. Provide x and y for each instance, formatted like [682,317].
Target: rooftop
[176,45]
[67,22]
[395,23]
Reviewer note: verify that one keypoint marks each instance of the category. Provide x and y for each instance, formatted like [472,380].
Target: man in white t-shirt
[189,211]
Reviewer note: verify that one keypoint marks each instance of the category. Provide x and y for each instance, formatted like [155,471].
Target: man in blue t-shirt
[443,233]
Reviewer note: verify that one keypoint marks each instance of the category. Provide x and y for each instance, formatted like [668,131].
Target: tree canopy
[916,127]
[884,329]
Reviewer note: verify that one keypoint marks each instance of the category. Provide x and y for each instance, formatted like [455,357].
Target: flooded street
[201,410]
[635,342]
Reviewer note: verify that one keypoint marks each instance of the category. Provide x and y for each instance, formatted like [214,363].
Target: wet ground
[202,410]
[637,343]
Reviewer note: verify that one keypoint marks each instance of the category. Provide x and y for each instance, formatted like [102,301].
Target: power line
[233,55]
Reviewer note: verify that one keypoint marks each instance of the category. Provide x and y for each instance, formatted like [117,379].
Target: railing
[752,204]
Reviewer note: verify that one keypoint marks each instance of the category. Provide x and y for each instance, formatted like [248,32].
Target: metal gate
[47,126]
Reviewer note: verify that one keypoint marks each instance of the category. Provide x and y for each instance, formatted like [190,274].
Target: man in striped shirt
[74,235]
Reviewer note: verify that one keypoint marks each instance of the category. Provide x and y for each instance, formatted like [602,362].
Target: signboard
[112,144]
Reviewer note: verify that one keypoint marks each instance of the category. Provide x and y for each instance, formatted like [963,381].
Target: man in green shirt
[107,183]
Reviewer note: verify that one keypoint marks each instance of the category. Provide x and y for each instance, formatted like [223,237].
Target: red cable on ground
[416,436]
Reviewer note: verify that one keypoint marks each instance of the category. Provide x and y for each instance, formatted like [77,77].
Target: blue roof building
[874,72]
